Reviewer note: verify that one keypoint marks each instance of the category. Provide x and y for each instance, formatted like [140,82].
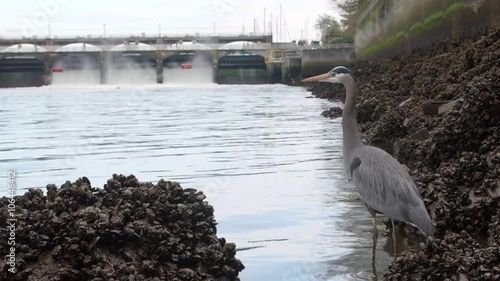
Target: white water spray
[201,73]
[87,75]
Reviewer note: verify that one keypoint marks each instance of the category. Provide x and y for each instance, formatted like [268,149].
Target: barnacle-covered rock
[126,231]
[457,166]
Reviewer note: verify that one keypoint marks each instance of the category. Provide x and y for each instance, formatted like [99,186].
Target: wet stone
[333,112]
[420,135]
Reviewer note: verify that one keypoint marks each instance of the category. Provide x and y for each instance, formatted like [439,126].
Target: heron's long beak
[318,78]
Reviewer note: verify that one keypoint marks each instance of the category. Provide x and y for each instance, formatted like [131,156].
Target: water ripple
[270,165]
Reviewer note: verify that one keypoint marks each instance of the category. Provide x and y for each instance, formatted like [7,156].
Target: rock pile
[126,231]
[333,112]
[334,92]
[454,157]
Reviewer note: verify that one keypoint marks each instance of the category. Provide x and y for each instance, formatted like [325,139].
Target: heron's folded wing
[384,184]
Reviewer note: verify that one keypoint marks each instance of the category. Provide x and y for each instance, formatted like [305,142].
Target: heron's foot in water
[374,269]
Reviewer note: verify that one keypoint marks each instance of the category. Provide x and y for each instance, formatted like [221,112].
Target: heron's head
[339,74]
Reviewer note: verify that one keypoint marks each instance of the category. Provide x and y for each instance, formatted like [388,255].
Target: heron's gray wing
[385,186]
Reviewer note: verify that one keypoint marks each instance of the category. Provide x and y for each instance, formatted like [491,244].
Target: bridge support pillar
[159,69]
[274,71]
[292,69]
[47,74]
[104,65]
[215,70]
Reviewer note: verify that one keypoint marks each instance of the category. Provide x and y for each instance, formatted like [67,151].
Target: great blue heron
[384,185]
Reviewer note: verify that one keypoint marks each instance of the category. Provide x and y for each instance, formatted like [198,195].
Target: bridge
[277,62]
[116,40]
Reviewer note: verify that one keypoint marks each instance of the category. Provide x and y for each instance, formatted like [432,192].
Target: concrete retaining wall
[392,27]
[320,61]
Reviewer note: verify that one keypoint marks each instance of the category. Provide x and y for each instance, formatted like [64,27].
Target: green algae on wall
[454,8]
[433,20]
[428,23]
[415,28]
[414,22]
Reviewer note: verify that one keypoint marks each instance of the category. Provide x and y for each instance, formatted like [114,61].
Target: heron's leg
[394,239]
[375,274]
[373,213]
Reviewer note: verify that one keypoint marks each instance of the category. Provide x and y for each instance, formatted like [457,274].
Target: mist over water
[77,77]
[88,74]
[184,76]
[201,73]
[131,73]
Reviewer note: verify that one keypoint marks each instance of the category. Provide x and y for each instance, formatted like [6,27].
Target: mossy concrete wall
[243,76]
[322,60]
[393,27]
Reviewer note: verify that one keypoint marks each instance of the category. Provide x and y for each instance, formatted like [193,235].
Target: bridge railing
[328,46]
[133,47]
[12,35]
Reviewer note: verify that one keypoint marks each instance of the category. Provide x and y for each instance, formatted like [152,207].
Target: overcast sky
[126,17]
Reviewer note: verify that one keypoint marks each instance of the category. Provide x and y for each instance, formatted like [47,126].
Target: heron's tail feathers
[421,219]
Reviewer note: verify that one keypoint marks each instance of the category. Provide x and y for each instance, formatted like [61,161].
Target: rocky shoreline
[126,231]
[453,153]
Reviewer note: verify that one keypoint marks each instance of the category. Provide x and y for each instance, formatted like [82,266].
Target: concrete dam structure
[253,61]
[392,27]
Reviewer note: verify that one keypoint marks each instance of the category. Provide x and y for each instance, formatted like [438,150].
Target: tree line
[335,31]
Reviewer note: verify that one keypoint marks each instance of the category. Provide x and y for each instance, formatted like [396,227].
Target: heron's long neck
[351,138]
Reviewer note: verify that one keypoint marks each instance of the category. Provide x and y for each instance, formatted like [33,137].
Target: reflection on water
[269,164]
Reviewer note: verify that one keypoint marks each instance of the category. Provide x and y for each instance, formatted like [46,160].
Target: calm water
[268,162]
